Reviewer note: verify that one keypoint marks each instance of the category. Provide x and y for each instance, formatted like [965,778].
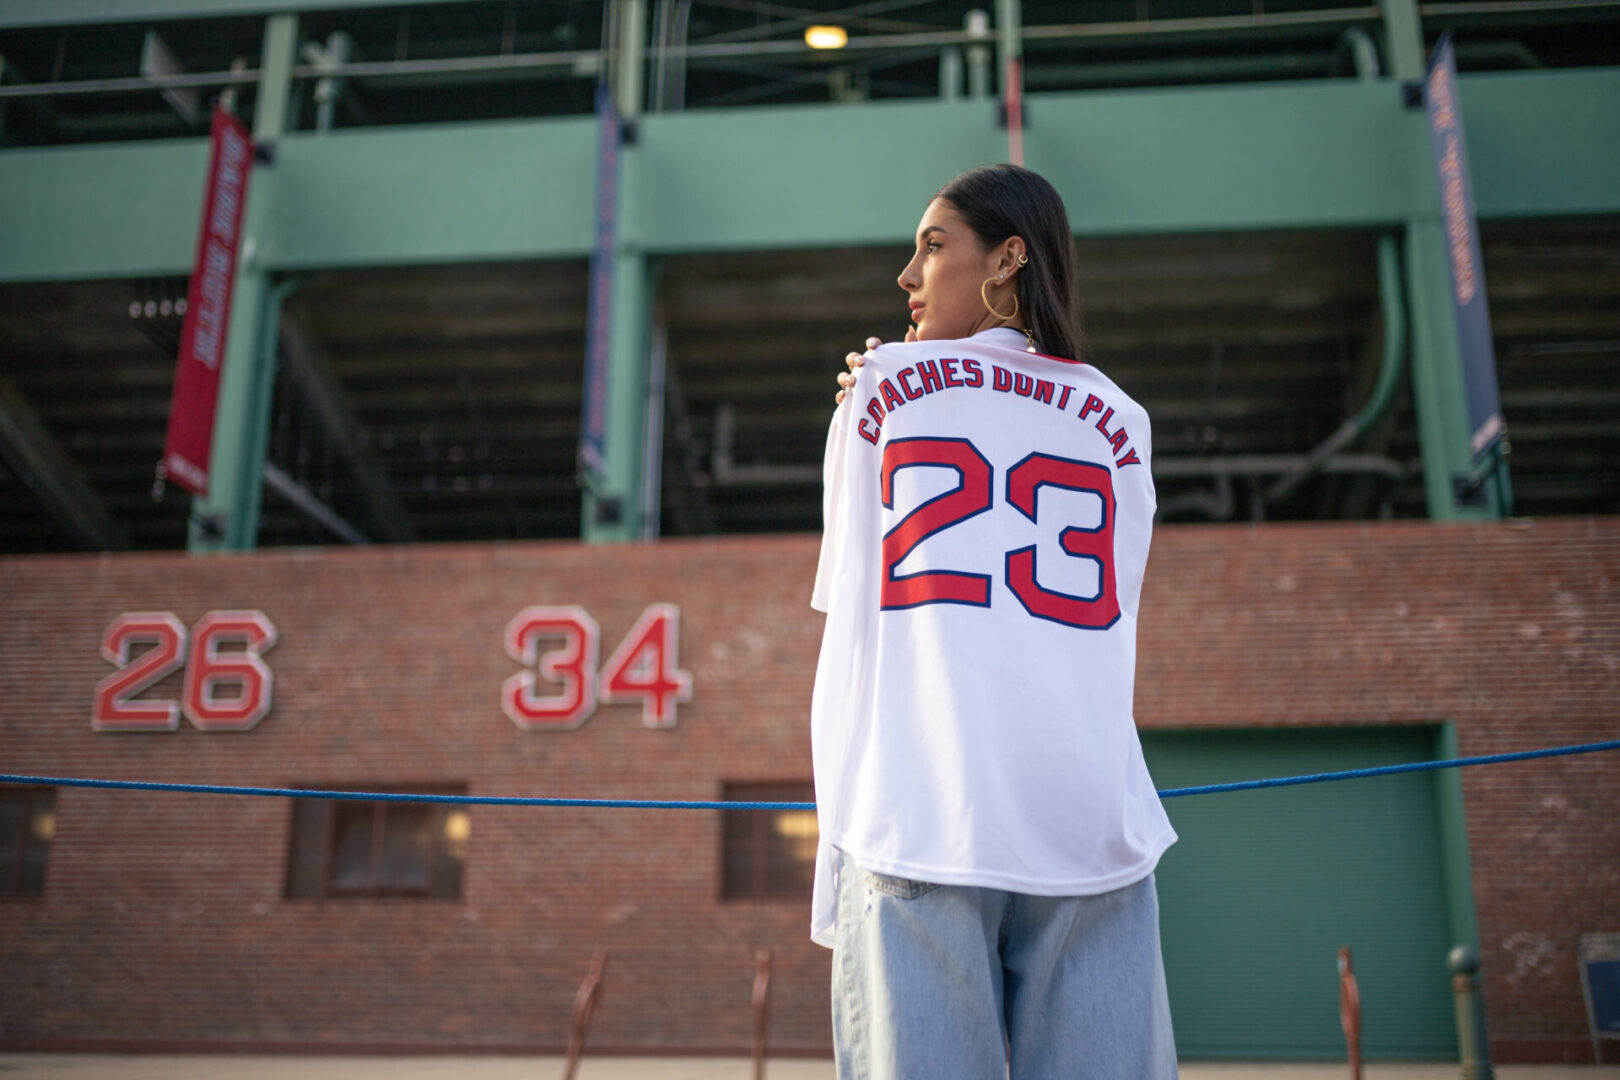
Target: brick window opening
[347,848]
[767,854]
[27,824]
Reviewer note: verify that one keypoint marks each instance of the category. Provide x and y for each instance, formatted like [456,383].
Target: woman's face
[945,273]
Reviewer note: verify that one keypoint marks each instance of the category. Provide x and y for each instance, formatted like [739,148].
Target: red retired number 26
[644,667]
[208,668]
[973,495]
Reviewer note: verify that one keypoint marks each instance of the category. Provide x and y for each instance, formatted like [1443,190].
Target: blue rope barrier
[676,804]
[1386,770]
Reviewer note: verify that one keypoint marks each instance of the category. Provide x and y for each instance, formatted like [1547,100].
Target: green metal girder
[102,211]
[802,176]
[1331,153]
[439,194]
[19,13]
[1319,154]
[1454,840]
[1535,153]
[612,509]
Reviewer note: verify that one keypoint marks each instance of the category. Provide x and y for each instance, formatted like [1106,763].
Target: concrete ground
[212,1067]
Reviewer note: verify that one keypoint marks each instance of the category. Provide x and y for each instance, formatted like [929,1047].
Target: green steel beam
[439,194]
[1403,39]
[228,518]
[1330,153]
[1454,842]
[277,56]
[1318,155]
[1529,162]
[103,211]
[612,511]
[803,176]
[20,13]
[1009,39]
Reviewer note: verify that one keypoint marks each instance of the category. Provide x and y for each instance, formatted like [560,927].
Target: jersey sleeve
[1144,447]
[833,499]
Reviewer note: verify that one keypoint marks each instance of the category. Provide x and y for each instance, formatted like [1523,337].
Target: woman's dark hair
[998,201]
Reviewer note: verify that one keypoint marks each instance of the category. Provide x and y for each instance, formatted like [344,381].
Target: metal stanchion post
[1350,1012]
[762,987]
[1473,1044]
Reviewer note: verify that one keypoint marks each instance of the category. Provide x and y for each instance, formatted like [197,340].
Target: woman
[988,827]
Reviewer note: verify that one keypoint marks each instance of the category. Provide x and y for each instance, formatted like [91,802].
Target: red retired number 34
[643,668]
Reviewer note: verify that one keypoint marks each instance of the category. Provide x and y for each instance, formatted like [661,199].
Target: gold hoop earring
[1023,260]
[984,295]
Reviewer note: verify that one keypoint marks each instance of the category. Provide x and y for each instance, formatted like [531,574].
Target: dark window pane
[355,849]
[407,846]
[768,853]
[737,854]
[790,857]
[352,827]
[13,818]
[306,862]
[739,869]
[41,828]
[27,826]
[456,828]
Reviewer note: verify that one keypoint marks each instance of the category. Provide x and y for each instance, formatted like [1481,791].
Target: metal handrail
[585,1002]
[762,988]
[1350,1012]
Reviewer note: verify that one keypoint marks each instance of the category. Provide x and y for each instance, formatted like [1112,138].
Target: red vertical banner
[1013,102]
[190,439]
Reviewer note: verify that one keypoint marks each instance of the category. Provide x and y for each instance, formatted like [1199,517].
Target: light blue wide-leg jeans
[948,981]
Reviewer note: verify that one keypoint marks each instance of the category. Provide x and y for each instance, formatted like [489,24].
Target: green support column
[1403,39]
[1454,842]
[1009,39]
[228,519]
[1437,376]
[612,506]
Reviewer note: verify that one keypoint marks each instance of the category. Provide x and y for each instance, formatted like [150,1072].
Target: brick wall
[164,922]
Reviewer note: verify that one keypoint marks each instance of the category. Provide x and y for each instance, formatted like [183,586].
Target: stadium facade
[406,576]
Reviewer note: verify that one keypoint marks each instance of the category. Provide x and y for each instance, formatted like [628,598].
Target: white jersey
[988,513]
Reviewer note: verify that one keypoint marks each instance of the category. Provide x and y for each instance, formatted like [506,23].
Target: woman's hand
[855,360]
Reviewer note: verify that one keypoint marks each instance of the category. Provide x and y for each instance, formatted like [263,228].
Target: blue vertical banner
[1478,353]
[599,319]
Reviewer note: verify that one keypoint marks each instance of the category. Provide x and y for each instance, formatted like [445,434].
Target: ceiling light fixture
[825,37]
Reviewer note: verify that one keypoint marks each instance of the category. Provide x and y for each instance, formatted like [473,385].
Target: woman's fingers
[911,333]
[852,361]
